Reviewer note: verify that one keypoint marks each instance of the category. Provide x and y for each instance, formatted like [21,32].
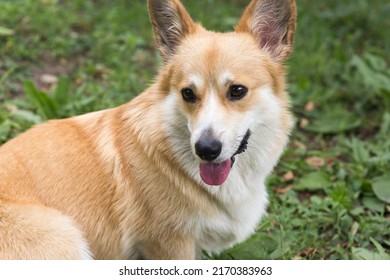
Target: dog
[177,171]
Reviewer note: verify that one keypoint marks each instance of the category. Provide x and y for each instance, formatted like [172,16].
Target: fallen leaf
[305,253]
[288,176]
[11,108]
[299,145]
[284,190]
[6,31]
[315,162]
[329,161]
[49,79]
[297,257]
[310,106]
[309,251]
[303,122]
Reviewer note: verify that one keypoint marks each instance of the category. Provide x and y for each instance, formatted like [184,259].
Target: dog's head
[228,88]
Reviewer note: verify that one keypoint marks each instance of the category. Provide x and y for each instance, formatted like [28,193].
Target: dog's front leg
[177,248]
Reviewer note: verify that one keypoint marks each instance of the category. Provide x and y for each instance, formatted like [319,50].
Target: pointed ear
[171,24]
[272,23]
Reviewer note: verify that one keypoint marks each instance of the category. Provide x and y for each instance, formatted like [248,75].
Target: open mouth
[243,146]
[216,173]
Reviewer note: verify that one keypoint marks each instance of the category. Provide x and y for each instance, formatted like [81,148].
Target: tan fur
[108,181]
[101,190]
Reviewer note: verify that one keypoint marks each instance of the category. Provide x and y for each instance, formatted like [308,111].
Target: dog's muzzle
[208,149]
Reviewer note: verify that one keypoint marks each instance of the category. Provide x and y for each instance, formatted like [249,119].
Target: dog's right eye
[237,92]
[188,95]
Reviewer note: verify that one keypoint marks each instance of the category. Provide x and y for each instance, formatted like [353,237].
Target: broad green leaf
[5,128]
[291,197]
[373,204]
[334,121]
[373,70]
[381,187]
[357,211]
[313,181]
[27,115]
[359,150]
[282,248]
[364,254]
[259,246]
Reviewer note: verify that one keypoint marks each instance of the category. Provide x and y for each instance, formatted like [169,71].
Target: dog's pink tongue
[215,174]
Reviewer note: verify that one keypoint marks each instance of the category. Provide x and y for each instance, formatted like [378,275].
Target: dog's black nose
[208,148]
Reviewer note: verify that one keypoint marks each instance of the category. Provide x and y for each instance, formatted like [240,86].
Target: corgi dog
[177,171]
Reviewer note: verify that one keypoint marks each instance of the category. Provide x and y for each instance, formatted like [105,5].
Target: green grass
[329,194]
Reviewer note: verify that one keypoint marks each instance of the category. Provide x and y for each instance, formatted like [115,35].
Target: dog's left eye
[236,92]
[188,95]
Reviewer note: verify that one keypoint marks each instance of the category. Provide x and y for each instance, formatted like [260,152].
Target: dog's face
[226,86]
[223,83]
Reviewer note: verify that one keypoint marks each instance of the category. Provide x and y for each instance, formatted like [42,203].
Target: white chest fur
[242,206]
[231,225]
